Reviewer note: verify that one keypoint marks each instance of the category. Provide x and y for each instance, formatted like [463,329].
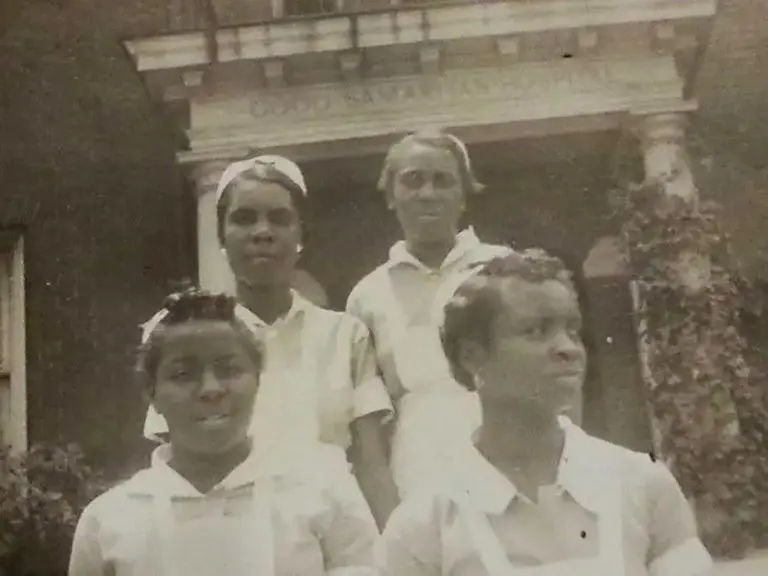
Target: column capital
[666,128]
[206,175]
[660,121]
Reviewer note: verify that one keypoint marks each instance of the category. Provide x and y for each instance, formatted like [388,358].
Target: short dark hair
[440,140]
[471,313]
[265,173]
[188,305]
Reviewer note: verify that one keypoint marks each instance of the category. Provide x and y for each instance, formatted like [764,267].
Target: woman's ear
[389,197]
[473,356]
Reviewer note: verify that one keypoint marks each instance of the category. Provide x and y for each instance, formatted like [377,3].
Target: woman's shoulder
[319,464]
[336,324]
[368,290]
[642,471]
[116,502]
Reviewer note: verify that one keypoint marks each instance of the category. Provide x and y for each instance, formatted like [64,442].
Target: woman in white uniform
[427,179]
[320,381]
[206,506]
[536,495]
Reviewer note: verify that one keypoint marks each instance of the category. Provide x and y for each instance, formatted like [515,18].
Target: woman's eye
[575,329]
[243,217]
[229,370]
[535,330]
[282,217]
[444,180]
[414,179]
[182,375]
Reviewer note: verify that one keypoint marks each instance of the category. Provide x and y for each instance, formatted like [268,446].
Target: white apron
[200,547]
[286,415]
[608,562]
[436,412]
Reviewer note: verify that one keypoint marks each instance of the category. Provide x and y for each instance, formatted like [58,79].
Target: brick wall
[88,175]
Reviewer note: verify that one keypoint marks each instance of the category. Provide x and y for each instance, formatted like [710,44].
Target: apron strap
[486,542]
[310,371]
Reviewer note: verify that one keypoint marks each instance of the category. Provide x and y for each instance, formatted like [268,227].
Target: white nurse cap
[286,167]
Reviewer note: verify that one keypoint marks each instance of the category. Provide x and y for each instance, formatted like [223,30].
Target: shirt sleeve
[348,534]
[675,548]
[86,558]
[355,305]
[410,545]
[370,394]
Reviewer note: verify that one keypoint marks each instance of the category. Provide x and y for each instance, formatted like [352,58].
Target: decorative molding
[641,115]
[350,63]
[278,8]
[508,47]
[274,73]
[343,32]
[587,40]
[429,59]
[192,78]
[664,31]
[480,97]
[664,36]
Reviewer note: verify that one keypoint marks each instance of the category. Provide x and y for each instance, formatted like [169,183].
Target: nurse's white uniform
[401,302]
[611,512]
[319,376]
[306,518]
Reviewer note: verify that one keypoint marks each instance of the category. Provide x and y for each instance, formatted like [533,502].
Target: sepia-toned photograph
[384,288]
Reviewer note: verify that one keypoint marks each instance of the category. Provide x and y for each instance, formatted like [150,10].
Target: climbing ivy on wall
[699,386]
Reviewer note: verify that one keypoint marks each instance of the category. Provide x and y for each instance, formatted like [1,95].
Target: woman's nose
[568,347]
[261,228]
[210,386]
[428,190]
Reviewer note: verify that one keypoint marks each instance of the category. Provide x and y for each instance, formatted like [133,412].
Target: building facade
[543,91]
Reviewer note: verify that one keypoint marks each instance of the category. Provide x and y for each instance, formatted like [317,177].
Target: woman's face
[537,357]
[427,195]
[261,233]
[205,386]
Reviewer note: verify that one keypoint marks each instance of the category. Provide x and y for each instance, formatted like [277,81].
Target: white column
[663,138]
[214,273]
[666,162]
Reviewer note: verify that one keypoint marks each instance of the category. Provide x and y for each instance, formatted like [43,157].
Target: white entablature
[401,25]
[342,84]
[497,103]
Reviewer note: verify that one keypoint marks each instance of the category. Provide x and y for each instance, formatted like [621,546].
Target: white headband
[463,149]
[149,326]
[286,167]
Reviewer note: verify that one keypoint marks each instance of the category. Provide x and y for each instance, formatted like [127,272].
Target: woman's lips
[214,419]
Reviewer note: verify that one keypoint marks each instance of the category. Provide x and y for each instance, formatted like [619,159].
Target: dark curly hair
[187,305]
[471,312]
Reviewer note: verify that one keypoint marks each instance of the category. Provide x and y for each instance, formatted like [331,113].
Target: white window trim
[15,363]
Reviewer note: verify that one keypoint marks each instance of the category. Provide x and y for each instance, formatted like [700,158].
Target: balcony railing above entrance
[190,15]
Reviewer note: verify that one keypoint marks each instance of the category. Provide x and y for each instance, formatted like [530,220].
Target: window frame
[13,419]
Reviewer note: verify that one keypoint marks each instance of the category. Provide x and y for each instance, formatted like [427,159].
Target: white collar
[299,306]
[582,471]
[162,480]
[466,241]
[313,464]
